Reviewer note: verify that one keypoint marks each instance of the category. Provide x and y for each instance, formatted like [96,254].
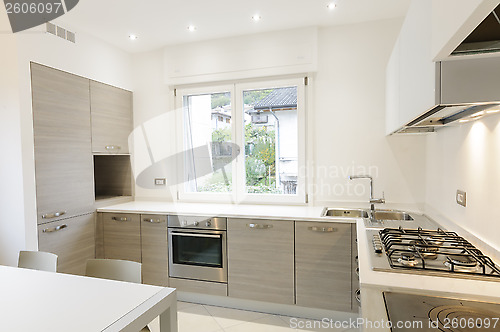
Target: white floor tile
[196,318]
[182,305]
[227,317]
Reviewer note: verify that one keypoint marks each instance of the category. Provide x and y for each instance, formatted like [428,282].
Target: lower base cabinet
[72,240]
[154,250]
[323,265]
[260,260]
[121,236]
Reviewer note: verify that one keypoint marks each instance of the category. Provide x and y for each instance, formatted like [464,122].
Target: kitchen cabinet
[111,110]
[72,240]
[323,258]
[261,260]
[121,236]
[62,140]
[154,249]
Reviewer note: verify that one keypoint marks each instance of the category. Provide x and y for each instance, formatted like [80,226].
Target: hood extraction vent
[484,39]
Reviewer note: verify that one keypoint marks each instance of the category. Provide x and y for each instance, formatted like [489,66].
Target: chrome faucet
[373,201]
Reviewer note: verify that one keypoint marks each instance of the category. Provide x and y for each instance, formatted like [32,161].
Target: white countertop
[225,210]
[373,283]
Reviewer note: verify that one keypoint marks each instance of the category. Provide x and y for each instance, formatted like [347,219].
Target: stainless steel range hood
[466,89]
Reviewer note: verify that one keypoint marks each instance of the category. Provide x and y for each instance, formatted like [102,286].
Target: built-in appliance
[197,248]
[409,312]
[433,252]
[465,90]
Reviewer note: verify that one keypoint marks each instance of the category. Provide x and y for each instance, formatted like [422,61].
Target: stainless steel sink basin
[344,213]
[381,215]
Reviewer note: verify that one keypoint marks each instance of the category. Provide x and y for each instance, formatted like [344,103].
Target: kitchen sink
[344,213]
[381,215]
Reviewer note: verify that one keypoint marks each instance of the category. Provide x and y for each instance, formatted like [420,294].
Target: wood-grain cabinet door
[260,260]
[323,265]
[154,249]
[72,240]
[63,156]
[111,110]
[122,236]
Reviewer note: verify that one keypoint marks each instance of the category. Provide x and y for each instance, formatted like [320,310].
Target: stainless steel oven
[197,248]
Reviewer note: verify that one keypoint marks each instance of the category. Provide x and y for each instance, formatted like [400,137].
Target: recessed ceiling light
[464,120]
[132,37]
[493,111]
[191,28]
[478,114]
[331,6]
[256,17]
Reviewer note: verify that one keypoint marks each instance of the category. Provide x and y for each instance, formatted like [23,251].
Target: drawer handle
[260,226]
[55,229]
[113,147]
[53,215]
[154,221]
[357,271]
[120,218]
[322,229]
[358,295]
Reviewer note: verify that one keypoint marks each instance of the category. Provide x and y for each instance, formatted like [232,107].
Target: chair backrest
[114,269]
[38,260]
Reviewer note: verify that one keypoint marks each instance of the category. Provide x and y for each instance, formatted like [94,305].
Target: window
[243,142]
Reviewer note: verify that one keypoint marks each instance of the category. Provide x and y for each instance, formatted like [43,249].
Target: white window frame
[239,195]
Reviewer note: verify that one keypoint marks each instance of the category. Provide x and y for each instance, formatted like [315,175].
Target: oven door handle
[198,235]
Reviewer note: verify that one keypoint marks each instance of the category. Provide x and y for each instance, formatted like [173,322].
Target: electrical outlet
[160,182]
[461,198]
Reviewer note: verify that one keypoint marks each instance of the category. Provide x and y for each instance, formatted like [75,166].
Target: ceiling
[158,23]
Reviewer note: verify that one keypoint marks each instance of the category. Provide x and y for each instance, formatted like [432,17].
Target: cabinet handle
[154,221]
[113,147]
[260,226]
[322,229]
[358,295]
[357,271]
[55,229]
[53,215]
[119,218]
[218,236]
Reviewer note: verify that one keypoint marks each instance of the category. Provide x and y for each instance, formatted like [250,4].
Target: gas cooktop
[409,312]
[429,252]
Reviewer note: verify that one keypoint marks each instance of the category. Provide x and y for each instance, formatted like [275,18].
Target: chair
[38,260]
[119,270]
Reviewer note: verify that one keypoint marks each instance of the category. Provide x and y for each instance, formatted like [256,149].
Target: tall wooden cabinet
[323,265]
[63,155]
[261,260]
[63,166]
[111,118]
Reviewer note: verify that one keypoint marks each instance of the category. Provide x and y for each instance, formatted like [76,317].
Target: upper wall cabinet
[111,110]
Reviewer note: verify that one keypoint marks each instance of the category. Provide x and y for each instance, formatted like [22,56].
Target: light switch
[461,198]
[160,182]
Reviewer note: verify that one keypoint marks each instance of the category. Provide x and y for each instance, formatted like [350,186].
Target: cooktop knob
[196,223]
[208,224]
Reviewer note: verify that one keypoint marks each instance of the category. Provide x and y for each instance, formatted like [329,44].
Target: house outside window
[243,142]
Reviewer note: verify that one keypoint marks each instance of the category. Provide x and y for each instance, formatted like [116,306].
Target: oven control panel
[197,222]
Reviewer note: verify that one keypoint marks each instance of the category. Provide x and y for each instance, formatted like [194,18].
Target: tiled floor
[204,318]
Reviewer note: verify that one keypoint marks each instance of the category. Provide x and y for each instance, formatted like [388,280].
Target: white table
[45,301]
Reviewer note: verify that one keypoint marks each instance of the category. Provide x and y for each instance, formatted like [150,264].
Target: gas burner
[408,259]
[449,313]
[461,263]
[426,248]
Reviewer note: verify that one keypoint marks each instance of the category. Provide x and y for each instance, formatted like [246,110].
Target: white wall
[467,158]
[349,119]
[12,235]
[89,57]
[346,131]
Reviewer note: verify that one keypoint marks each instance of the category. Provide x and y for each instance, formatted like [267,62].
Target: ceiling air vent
[60,32]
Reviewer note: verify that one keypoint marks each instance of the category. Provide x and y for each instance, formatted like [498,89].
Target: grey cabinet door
[323,265]
[72,240]
[122,236]
[63,155]
[112,123]
[260,260]
[154,249]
